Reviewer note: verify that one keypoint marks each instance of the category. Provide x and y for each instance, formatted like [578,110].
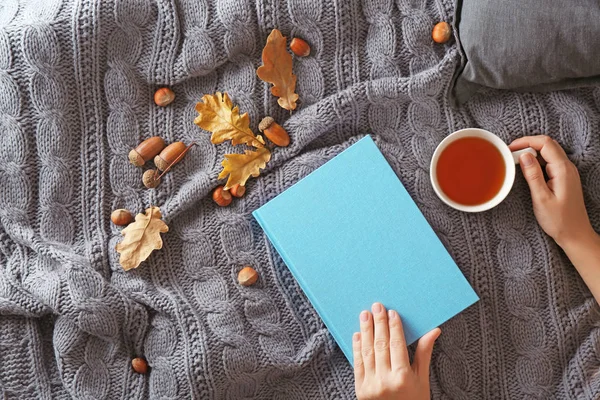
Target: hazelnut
[299,47]
[121,217]
[441,32]
[247,276]
[146,151]
[168,155]
[139,365]
[163,97]
[238,190]
[150,179]
[222,197]
[274,132]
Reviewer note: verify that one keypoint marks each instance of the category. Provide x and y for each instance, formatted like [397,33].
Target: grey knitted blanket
[76,85]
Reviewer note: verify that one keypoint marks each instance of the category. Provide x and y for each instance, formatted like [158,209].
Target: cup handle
[517,154]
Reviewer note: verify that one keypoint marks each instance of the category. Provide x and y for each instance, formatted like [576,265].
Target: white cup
[510,159]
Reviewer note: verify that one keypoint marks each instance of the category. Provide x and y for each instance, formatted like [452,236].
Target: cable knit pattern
[521,295]
[48,96]
[76,86]
[306,24]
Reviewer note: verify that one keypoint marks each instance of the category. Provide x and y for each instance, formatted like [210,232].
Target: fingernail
[377,308]
[391,314]
[526,159]
[364,316]
[356,337]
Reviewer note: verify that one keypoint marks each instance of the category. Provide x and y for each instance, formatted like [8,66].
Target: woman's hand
[382,368]
[559,208]
[558,203]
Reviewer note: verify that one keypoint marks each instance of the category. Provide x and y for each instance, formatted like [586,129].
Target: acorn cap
[136,159]
[160,163]
[265,123]
[148,179]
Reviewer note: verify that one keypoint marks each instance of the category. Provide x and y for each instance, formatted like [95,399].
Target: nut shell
[238,190]
[146,150]
[168,155]
[299,47]
[276,134]
[441,32]
[163,97]
[222,197]
[139,365]
[247,276]
[148,179]
[121,217]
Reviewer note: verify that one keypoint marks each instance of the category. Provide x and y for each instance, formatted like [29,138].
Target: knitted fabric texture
[76,86]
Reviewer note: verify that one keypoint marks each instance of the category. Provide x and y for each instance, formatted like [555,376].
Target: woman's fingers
[381,346]
[359,368]
[382,338]
[532,171]
[548,148]
[366,341]
[398,351]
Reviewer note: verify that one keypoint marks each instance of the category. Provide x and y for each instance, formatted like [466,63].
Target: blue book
[351,235]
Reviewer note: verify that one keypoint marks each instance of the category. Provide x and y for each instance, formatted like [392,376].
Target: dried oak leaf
[217,114]
[141,238]
[277,69]
[240,167]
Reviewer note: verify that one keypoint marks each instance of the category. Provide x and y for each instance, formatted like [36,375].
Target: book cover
[351,235]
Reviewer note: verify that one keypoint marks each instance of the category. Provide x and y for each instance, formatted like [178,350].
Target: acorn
[139,365]
[274,132]
[237,190]
[299,47]
[121,217]
[247,276]
[163,97]
[221,196]
[146,150]
[168,155]
[441,32]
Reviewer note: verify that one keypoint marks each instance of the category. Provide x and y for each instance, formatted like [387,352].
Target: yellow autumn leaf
[217,115]
[141,237]
[277,69]
[240,167]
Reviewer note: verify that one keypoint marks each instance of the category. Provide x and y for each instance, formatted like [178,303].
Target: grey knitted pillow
[533,45]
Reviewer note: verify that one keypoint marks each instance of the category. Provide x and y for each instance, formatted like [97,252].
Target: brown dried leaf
[277,69]
[217,115]
[240,167]
[141,238]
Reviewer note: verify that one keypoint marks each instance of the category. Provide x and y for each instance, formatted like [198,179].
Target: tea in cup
[473,170]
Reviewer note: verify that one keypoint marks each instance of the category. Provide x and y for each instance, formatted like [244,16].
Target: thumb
[424,351]
[532,171]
